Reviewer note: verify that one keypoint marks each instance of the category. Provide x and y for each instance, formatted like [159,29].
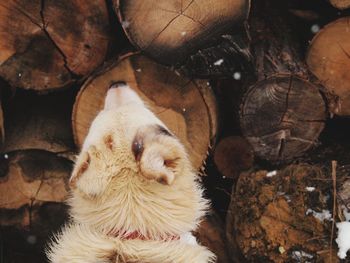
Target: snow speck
[237,75]
[208,84]
[310,188]
[288,199]
[19,75]
[138,70]
[315,28]
[184,109]
[271,174]
[300,256]
[219,62]
[183,33]
[281,249]
[6,156]
[31,239]
[343,239]
[321,216]
[125,24]
[224,177]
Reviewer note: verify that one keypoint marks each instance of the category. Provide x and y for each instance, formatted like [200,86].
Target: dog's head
[126,135]
[129,155]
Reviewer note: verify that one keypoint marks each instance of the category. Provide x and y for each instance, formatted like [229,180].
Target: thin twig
[334,179]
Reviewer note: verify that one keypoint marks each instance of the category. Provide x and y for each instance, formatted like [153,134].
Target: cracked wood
[28,181]
[49,44]
[170,31]
[273,117]
[328,59]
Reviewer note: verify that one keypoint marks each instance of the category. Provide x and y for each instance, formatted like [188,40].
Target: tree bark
[48,44]
[328,59]
[277,216]
[183,105]
[170,31]
[283,112]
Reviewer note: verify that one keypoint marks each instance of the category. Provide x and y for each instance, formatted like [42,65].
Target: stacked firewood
[232,79]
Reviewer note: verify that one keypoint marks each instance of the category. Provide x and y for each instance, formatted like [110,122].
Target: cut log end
[328,59]
[177,101]
[282,117]
[340,4]
[233,155]
[50,44]
[169,31]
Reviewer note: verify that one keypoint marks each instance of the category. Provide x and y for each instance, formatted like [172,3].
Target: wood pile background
[258,92]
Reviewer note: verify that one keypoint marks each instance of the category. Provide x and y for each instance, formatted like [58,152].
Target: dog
[135,196]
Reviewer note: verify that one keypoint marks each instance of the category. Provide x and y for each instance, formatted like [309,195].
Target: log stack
[235,81]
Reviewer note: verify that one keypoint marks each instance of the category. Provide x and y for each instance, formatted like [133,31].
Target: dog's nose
[119,95]
[119,84]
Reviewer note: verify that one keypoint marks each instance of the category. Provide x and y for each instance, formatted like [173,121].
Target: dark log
[283,112]
[176,100]
[39,122]
[232,155]
[170,31]
[32,182]
[48,44]
[328,59]
[282,216]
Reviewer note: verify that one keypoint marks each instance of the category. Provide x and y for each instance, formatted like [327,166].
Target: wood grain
[328,59]
[169,31]
[48,44]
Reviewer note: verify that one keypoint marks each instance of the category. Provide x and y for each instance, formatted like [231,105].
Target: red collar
[137,235]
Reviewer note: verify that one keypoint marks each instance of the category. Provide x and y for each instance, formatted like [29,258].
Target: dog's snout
[120,94]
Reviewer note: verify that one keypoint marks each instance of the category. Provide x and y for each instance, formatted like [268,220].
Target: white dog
[135,197]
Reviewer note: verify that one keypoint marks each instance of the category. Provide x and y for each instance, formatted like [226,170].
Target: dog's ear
[84,176]
[160,155]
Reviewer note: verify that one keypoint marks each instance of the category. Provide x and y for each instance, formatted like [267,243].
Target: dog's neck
[152,211]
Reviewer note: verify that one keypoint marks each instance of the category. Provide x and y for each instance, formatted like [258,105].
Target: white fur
[115,194]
